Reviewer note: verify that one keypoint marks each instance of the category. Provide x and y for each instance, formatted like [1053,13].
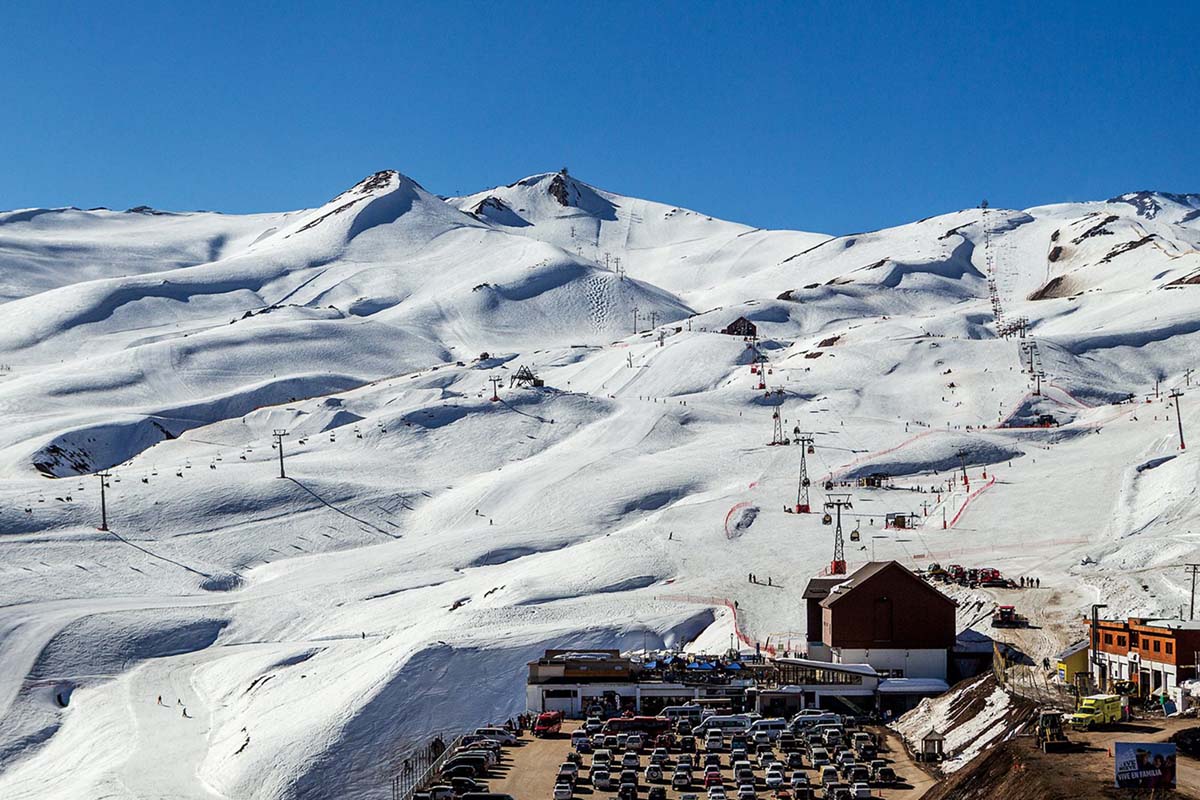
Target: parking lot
[532,769]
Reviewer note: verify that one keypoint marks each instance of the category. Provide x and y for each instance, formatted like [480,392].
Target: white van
[692,713]
[771,727]
[810,721]
[729,723]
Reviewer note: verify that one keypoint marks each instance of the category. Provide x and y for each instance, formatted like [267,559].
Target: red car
[713,779]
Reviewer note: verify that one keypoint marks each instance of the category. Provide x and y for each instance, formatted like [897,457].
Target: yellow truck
[1097,709]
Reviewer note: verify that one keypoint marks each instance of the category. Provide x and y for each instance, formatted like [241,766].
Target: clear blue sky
[834,117]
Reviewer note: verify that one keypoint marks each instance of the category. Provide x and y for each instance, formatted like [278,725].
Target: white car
[562,791]
[716,793]
[601,778]
[861,790]
[502,735]
[774,778]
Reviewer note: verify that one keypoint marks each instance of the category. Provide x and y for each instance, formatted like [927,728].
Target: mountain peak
[1149,203]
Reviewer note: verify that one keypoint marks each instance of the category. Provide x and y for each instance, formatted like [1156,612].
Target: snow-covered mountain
[429,541]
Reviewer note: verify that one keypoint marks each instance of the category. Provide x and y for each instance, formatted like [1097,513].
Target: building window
[1120,641]
[1170,648]
[1156,645]
[1108,638]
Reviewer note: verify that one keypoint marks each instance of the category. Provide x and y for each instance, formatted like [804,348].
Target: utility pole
[1157,381]
[496,381]
[653,318]
[1187,375]
[806,446]
[1193,569]
[103,476]
[838,501]
[1038,377]
[279,434]
[1096,635]
[1175,393]
[635,313]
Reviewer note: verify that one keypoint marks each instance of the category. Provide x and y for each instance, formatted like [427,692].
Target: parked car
[564,777]
[657,793]
[654,774]
[601,779]
[885,776]
[630,760]
[713,779]
[684,760]
[838,791]
[562,791]
[795,760]
[681,778]
[478,742]
[463,785]
[628,791]
[716,793]
[860,789]
[774,778]
[459,771]
[746,792]
[799,779]
[660,755]
[829,774]
[593,725]
[439,792]
[629,776]
[503,735]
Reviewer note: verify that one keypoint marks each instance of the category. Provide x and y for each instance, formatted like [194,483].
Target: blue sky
[834,117]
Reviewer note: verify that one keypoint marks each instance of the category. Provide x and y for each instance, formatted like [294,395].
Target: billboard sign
[1144,765]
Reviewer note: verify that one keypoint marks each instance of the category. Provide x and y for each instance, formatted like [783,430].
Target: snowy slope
[428,541]
[705,261]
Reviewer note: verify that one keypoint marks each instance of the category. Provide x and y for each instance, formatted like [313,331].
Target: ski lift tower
[760,360]
[777,436]
[526,378]
[838,501]
[805,440]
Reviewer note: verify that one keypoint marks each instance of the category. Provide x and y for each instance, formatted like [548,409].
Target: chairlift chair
[827,519]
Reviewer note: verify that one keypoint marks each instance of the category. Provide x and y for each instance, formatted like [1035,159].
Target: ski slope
[428,541]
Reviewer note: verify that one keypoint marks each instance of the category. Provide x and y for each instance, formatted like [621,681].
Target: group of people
[1031,583]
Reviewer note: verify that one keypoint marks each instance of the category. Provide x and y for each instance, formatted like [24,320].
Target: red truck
[548,723]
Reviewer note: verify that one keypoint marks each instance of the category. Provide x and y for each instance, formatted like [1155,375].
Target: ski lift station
[879,639]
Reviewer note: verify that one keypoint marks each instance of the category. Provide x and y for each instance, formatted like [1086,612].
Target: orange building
[1154,654]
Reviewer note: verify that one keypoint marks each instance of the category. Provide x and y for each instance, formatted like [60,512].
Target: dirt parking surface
[533,765]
